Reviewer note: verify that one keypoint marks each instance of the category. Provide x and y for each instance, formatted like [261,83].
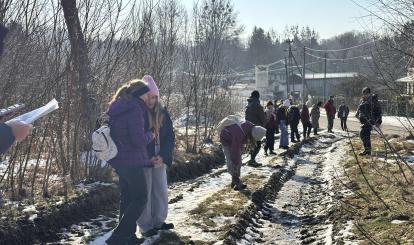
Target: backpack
[102,144]
[227,121]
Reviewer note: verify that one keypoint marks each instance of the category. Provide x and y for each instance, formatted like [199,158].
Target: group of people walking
[277,117]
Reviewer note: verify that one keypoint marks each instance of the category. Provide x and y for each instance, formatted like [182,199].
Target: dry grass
[393,181]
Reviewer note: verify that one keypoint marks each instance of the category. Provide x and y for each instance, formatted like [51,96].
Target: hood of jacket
[121,106]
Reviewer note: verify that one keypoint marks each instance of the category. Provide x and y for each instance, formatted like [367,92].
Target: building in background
[322,85]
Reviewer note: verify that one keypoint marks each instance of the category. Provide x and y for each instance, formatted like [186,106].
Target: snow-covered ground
[386,120]
[201,188]
[398,121]
[308,194]
[298,214]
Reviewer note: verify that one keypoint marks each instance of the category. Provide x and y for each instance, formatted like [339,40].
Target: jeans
[133,200]
[284,137]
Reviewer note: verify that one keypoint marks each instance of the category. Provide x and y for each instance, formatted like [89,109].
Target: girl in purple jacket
[126,120]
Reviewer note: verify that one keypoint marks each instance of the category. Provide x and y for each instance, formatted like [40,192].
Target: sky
[327,17]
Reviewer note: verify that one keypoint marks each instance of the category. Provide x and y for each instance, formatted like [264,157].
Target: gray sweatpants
[156,211]
[233,169]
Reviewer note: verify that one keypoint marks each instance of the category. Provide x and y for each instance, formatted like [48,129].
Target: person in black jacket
[255,114]
[343,113]
[294,119]
[370,114]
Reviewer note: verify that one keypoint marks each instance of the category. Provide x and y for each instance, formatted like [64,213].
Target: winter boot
[365,153]
[253,163]
[134,240]
[239,186]
[233,182]
[166,226]
[149,233]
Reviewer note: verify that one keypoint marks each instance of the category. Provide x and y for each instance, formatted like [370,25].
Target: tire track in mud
[256,215]
[295,205]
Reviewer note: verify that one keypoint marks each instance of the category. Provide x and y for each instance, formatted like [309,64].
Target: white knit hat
[286,103]
[258,133]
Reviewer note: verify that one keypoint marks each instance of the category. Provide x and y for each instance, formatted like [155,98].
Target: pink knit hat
[153,89]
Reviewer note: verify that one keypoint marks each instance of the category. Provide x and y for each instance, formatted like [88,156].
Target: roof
[407,79]
[329,75]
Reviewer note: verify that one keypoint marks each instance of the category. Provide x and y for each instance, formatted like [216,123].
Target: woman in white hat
[232,138]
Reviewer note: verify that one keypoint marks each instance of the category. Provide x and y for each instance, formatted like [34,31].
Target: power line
[343,49]
[274,63]
[337,59]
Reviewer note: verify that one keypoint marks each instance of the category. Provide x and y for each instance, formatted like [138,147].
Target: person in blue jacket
[160,151]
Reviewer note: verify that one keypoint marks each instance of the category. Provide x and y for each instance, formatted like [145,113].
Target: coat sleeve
[167,140]
[6,137]
[138,136]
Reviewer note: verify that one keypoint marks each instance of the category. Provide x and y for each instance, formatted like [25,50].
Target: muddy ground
[289,200]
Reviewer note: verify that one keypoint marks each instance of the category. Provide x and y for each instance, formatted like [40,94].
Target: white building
[407,83]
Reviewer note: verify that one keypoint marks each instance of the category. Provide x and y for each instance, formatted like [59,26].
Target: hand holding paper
[20,129]
[32,116]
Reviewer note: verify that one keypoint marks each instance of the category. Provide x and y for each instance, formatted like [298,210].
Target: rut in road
[301,211]
[204,209]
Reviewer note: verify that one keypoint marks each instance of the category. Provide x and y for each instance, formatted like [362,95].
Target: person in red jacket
[330,113]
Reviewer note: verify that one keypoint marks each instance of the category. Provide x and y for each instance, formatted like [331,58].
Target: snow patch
[29,209]
[85,187]
[398,222]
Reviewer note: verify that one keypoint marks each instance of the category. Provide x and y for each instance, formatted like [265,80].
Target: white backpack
[103,145]
[229,120]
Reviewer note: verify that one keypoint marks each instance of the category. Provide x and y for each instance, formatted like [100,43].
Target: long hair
[156,117]
[124,92]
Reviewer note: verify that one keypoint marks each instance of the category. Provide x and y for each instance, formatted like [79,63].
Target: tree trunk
[81,77]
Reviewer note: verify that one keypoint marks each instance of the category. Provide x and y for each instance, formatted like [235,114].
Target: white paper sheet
[32,116]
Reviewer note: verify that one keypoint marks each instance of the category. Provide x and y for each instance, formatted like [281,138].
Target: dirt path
[204,209]
[300,213]
[355,126]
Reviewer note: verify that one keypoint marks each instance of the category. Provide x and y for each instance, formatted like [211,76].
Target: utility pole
[287,78]
[290,66]
[289,71]
[303,75]
[324,82]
